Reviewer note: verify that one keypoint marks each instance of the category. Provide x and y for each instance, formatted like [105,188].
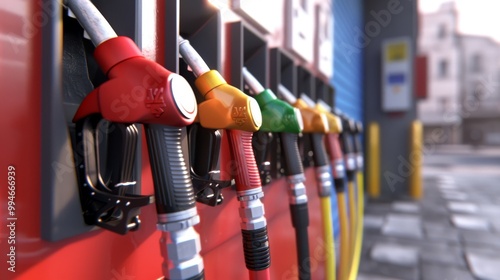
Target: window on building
[443,68]
[442,31]
[303,4]
[476,63]
[445,103]
[480,91]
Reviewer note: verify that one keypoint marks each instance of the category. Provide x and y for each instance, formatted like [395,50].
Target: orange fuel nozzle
[314,120]
[334,122]
[225,107]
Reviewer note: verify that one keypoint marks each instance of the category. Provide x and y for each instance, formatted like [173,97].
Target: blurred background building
[463,101]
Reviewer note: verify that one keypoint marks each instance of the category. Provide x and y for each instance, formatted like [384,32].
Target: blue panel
[396,78]
[348,68]
[348,57]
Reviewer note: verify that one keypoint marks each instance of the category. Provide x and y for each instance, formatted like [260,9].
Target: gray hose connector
[251,81]
[97,27]
[286,94]
[192,58]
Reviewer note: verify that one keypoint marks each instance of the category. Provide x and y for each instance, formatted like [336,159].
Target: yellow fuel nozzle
[334,122]
[225,107]
[314,121]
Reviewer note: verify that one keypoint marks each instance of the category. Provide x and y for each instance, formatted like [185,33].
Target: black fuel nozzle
[348,146]
[358,145]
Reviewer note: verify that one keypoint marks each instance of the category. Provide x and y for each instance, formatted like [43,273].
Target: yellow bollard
[373,167]
[416,157]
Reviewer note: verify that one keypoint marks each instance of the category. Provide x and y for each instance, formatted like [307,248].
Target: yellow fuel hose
[326,213]
[353,274]
[344,237]
[351,193]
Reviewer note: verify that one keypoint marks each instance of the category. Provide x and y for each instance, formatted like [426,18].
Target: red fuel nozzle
[138,90]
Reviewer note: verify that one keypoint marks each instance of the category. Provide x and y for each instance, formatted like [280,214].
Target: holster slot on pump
[105,152]
[204,145]
[103,194]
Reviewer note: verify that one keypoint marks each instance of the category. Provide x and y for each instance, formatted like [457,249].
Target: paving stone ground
[453,233]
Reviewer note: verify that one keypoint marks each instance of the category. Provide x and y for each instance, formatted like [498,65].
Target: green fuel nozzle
[277,115]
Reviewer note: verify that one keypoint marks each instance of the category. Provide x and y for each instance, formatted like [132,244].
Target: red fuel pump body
[99,254]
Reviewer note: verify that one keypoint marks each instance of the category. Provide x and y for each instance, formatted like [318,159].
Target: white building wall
[482,86]
[440,42]
[466,101]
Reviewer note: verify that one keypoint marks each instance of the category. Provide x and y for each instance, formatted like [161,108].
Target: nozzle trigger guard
[103,197]
[208,191]
[204,147]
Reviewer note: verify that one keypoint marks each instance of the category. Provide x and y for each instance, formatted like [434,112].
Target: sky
[478,17]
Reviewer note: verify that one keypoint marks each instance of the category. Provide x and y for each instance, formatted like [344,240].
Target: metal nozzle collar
[181,254]
[178,220]
[339,169]
[179,225]
[359,162]
[324,180]
[297,178]
[252,214]
[296,189]
[350,162]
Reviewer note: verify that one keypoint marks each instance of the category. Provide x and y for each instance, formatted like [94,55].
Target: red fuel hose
[249,192]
